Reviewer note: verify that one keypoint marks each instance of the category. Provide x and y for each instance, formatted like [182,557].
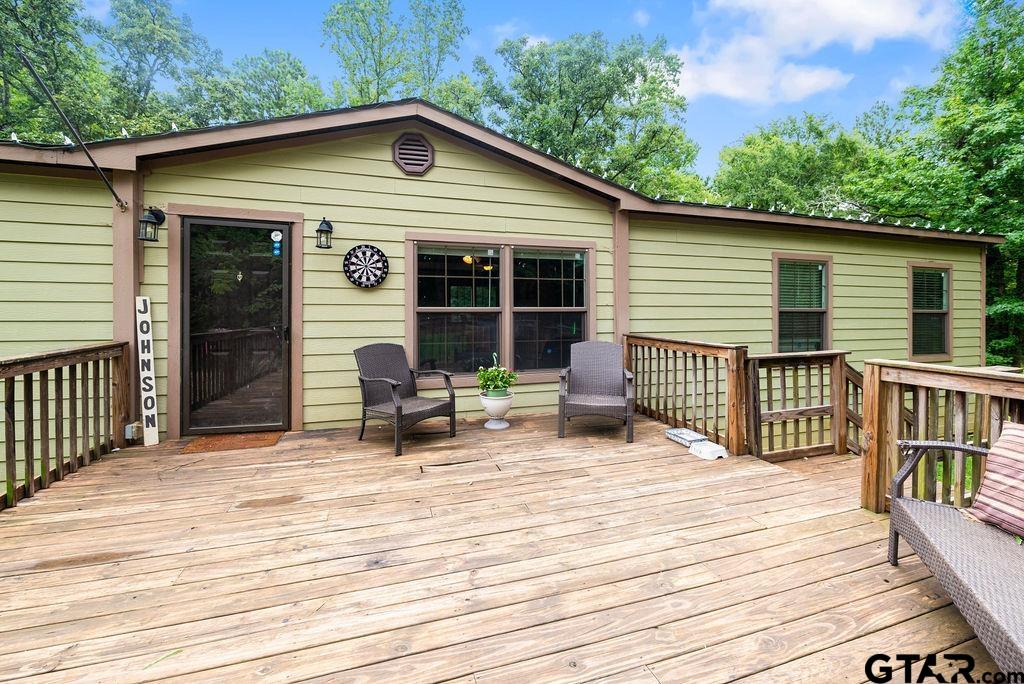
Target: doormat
[229,442]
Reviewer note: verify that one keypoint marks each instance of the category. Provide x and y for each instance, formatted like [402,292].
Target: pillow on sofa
[1000,500]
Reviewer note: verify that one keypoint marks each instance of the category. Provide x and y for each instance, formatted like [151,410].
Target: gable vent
[413,154]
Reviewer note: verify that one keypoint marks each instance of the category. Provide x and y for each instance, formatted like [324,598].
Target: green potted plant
[494,394]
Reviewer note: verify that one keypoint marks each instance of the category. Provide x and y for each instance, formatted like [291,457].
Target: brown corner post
[735,401]
[121,395]
[837,393]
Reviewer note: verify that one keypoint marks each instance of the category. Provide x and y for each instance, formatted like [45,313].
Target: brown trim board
[950,352]
[801,256]
[507,243]
[175,213]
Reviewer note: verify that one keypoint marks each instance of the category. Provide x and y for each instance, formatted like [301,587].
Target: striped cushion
[1000,500]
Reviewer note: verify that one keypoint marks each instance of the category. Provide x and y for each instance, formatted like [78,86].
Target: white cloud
[508,29]
[532,40]
[641,18]
[761,59]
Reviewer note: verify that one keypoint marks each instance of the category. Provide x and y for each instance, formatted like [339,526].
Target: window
[802,304]
[549,306]
[526,303]
[929,312]
[457,306]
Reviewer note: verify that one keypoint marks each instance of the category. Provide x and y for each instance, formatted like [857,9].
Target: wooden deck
[508,557]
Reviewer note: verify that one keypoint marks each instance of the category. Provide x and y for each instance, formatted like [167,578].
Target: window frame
[932,266]
[826,259]
[506,310]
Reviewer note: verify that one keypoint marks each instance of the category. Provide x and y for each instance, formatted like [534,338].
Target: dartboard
[366,266]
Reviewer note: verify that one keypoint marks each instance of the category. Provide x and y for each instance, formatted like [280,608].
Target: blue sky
[746,61]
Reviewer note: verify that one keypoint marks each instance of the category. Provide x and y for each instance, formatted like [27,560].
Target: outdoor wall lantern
[149,225]
[323,234]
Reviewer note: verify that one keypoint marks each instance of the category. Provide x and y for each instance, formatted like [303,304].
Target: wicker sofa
[980,566]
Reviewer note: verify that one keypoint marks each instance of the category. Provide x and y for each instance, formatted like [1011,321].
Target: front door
[234,326]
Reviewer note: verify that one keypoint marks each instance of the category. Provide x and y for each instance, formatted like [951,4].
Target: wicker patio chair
[595,384]
[388,388]
[977,564]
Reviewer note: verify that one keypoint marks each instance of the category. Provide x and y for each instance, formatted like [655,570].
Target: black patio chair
[388,388]
[596,384]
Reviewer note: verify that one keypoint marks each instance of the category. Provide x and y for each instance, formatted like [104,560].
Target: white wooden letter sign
[147,370]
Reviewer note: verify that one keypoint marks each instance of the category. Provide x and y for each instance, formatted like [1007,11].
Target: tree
[50,33]
[800,164]
[960,158]
[270,84]
[435,33]
[383,56]
[613,110]
[371,50]
[145,41]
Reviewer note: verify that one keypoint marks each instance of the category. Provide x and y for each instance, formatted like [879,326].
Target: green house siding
[56,267]
[356,185]
[715,283]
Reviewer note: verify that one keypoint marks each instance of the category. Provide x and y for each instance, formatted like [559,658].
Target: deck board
[488,558]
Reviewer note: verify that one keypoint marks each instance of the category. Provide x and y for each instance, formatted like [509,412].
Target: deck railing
[854,408]
[84,419]
[905,400]
[797,404]
[698,385]
[223,361]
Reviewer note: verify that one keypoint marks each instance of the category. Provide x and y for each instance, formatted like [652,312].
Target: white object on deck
[707,450]
[685,436]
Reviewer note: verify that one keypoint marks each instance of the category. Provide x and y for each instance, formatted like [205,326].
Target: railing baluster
[97,435]
[58,422]
[686,419]
[771,406]
[108,403]
[947,456]
[73,415]
[28,429]
[86,456]
[10,444]
[959,435]
[44,428]
[718,402]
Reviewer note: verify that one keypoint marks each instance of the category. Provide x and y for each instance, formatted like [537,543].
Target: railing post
[872,495]
[837,395]
[736,420]
[882,416]
[121,399]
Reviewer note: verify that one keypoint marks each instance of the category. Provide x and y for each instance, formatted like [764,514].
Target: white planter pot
[496,408]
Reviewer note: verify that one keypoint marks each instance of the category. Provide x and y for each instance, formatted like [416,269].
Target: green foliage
[611,109]
[383,55]
[145,41]
[51,33]
[495,378]
[797,163]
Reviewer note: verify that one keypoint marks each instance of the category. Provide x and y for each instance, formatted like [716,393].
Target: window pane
[457,276]
[930,333]
[430,291]
[542,340]
[801,331]
[458,342]
[801,285]
[549,278]
[930,289]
